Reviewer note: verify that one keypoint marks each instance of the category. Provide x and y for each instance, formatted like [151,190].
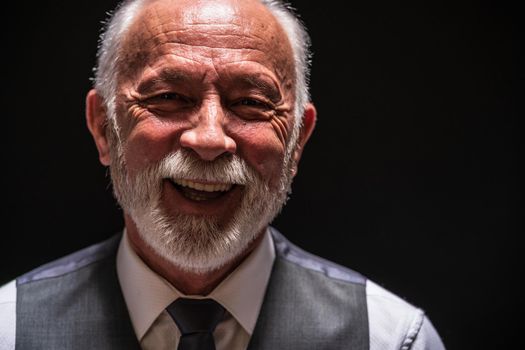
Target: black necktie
[196,319]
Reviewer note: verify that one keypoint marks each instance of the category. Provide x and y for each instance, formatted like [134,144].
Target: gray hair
[106,70]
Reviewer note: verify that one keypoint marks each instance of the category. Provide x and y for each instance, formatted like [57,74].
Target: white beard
[194,243]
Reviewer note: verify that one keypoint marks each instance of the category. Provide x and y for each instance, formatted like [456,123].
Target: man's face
[208,84]
[212,77]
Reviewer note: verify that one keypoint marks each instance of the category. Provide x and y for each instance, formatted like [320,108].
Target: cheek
[149,142]
[262,149]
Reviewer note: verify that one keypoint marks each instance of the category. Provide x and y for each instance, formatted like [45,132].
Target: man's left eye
[250,102]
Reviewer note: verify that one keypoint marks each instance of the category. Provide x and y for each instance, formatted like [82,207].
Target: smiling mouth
[199,191]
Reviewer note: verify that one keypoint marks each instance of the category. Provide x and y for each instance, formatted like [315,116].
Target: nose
[207,138]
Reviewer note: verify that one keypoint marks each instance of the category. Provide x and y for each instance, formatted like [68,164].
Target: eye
[251,108]
[168,102]
[251,103]
[170,96]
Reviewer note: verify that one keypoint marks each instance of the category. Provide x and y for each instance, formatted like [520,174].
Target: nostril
[230,145]
[207,144]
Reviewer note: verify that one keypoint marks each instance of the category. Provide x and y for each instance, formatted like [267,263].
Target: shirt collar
[147,294]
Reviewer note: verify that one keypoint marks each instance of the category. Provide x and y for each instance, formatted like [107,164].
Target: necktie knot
[196,319]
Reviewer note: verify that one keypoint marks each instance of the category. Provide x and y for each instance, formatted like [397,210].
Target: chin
[196,244]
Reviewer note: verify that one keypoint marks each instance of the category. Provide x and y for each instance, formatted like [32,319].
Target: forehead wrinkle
[159,30]
[205,37]
[174,32]
[215,48]
[239,20]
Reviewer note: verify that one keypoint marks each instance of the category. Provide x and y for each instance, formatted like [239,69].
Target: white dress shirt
[147,295]
[393,323]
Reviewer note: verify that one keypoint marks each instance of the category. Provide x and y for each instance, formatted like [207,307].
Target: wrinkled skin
[214,77]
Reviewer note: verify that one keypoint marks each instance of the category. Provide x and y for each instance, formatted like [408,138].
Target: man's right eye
[168,102]
[168,96]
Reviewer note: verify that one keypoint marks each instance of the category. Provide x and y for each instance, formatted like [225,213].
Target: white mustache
[183,164]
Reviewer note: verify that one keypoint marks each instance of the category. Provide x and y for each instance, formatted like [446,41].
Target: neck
[187,282]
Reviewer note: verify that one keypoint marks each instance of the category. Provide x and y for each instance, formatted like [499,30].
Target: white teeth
[204,187]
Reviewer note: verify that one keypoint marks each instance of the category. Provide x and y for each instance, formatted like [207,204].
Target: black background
[411,176]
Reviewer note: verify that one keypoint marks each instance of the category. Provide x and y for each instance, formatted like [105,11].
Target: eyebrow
[164,76]
[269,88]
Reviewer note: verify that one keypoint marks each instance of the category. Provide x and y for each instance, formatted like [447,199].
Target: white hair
[300,42]
[106,70]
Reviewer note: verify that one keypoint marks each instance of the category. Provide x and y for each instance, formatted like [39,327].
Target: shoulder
[56,288]
[393,322]
[289,252]
[74,262]
[7,315]
[397,324]
[84,283]
[61,267]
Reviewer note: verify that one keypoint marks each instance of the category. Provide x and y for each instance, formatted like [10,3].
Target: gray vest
[76,303]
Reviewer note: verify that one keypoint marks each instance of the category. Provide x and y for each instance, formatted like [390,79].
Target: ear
[308,125]
[96,118]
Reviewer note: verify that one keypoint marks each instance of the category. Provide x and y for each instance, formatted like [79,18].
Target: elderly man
[200,110]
